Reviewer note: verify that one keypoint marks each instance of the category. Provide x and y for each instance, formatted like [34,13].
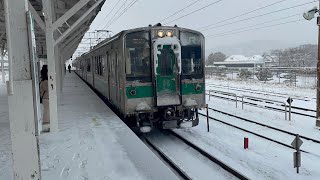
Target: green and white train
[154,76]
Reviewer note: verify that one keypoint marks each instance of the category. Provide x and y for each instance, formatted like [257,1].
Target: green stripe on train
[191,88]
[141,92]
[147,91]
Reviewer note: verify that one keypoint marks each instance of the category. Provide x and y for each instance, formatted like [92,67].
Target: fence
[257,99]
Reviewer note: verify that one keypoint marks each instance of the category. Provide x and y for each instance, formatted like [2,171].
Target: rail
[224,93]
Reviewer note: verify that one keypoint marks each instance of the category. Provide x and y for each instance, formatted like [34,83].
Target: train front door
[167,57]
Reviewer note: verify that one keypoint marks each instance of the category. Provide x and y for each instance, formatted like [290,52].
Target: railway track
[205,154]
[260,135]
[269,107]
[264,125]
[253,91]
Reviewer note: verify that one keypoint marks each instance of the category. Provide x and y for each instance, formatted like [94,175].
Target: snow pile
[143,106]
[190,102]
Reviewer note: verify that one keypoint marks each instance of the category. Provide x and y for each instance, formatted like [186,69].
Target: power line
[243,14]
[204,7]
[263,27]
[128,7]
[180,10]
[109,13]
[255,25]
[107,25]
[252,17]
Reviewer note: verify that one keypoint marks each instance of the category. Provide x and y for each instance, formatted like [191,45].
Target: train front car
[165,77]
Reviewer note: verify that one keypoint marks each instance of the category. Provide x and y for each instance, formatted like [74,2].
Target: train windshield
[138,57]
[191,55]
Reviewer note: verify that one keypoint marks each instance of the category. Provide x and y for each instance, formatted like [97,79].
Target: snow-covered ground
[264,159]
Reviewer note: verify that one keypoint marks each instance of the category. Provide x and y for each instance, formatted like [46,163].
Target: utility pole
[318,75]
[309,15]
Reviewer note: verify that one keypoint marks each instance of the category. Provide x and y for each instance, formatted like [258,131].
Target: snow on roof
[255,58]
[236,58]
[242,58]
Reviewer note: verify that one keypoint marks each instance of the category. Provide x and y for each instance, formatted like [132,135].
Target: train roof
[123,32]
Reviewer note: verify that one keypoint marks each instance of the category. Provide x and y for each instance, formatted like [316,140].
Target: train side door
[94,66]
[167,60]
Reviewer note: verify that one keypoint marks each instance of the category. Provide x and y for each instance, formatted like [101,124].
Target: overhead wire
[204,7]
[261,15]
[109,13]
[180,10]
[263,27]
[255,25]
[126,8]
[245,13]
[115,14]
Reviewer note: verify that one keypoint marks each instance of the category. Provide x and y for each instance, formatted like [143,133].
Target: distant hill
[251,48]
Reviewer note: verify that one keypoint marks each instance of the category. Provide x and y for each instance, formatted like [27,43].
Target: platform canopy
[71,19]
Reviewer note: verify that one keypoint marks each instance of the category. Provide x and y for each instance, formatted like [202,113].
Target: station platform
[92,143]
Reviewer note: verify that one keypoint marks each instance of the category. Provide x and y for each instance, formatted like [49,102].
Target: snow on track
[263,159]
[188,159]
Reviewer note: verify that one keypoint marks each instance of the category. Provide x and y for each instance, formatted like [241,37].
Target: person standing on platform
[69,68]
[44,98]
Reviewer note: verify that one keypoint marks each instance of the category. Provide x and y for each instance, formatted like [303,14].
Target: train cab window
[191,55]
[138,61]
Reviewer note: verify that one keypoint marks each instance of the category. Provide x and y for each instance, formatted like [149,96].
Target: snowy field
[303,81]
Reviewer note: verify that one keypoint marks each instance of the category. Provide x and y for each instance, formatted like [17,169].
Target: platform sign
[289,100]
[296,143]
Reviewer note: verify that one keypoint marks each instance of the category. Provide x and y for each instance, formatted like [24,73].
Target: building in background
[240,61]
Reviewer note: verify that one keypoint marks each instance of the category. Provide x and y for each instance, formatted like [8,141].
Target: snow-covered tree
[215,57]
[264,75]
[245,74]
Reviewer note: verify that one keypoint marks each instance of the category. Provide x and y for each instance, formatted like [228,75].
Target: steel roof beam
[78,22]
[36,17]
[70,13]
[81,31]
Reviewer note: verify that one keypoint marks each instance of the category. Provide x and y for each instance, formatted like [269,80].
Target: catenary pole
[318,75]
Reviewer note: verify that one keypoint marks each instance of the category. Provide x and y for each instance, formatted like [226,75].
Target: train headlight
[161,34]
[169,33]
[133,92]
[198,87]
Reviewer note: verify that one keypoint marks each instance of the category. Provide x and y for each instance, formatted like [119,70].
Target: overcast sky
[145,12]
